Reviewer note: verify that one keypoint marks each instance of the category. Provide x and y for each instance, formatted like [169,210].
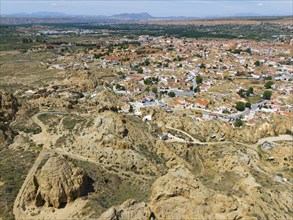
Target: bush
[250,90]
[202,66]
[238,122]
[155,90]
[199,79]
[196,89]
[248,104]
[240,106]
[288,131]
[98,56]
[171,94]
[268,84]
[140,70]
[242,93]
[257,63]
[267,94]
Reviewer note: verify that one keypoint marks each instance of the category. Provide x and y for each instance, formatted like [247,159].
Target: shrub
[199,79]
[268,84]
[171,94]
[248,104]
[267,94]
[196,89]
[202,66]
[238,122]
[240,106]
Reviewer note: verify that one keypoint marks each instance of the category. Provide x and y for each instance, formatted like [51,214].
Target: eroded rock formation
[57,183]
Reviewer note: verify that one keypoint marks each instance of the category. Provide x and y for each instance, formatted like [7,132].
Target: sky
[193,8]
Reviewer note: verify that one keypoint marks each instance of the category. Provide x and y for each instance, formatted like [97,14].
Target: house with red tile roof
[201,104]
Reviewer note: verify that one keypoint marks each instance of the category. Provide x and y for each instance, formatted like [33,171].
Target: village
[203,79]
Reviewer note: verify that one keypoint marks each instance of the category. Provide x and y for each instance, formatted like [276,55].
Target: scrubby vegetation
[12,175]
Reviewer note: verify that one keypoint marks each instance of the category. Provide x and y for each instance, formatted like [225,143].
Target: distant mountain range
[44,14]
[55,17]
[133,16]
[123,16]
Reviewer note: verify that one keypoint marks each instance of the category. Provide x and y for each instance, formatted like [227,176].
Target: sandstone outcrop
[8,108]
[130,209]
[180,195]
[57,183]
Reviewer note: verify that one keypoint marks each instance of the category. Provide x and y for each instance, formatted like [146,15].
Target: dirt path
[251,146]
[18,207]
[44,137]
[183,132]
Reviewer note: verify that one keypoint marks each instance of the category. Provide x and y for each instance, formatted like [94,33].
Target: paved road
[234,115]
[247,111]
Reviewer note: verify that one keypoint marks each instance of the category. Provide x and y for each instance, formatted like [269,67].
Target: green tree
[238,122]
[147,81]
[147,62]
[249,91]
[202,66]
[131,109]
[268,84]
[248,104]
[242,93]
[240,106]
[257,63]
[171,94]
[248,50]
[98,56]
[198,79]
[196,89]
[26,40]
[267,94]
[140,70]
[155,90]
[118,87]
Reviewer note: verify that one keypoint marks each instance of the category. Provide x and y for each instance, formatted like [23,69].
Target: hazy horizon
[203,8]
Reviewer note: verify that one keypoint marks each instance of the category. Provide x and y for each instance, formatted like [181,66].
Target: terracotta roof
[201,102]
[288,114]
[113,58]
[177,102]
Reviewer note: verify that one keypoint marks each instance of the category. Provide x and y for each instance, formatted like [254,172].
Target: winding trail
[184,132]
[19,209]
[252,146]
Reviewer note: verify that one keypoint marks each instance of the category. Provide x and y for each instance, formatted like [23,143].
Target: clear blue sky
[193,8]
